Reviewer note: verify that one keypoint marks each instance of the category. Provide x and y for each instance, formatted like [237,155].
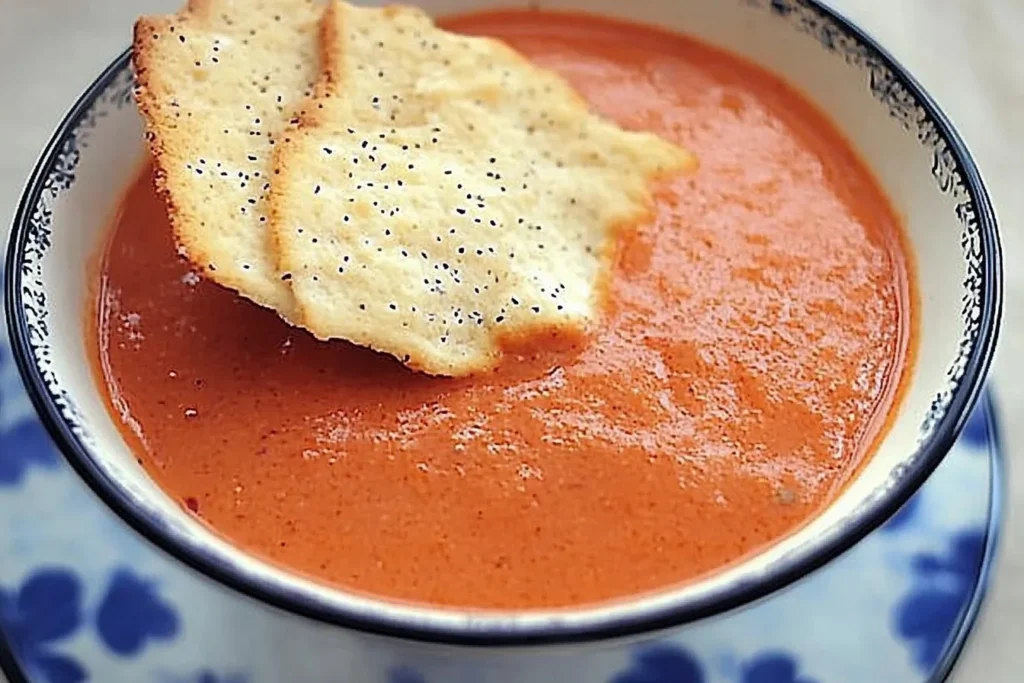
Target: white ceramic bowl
[898,130]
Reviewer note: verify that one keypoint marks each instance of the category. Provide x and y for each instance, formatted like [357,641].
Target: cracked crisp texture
[217,84]
[443,195]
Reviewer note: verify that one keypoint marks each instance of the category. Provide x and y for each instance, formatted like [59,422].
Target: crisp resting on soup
[756,324]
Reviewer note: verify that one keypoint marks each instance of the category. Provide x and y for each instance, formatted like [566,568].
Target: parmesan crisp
[217,84]
[442,195]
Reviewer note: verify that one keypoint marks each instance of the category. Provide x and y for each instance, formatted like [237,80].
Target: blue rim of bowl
[797,565]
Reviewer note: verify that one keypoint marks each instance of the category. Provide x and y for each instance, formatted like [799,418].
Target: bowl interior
[906,142]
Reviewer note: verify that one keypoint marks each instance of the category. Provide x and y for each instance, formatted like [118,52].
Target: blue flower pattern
[45,610]
[210,677]
[943,585]
[404,674]
[132,613]
[25,444]
[975,433]
[675,664]
[662,664]
[773,667]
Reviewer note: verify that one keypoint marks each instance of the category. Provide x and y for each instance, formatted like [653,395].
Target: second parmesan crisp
[442,194]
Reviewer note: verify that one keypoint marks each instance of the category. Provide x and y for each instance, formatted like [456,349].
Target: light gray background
[966,52]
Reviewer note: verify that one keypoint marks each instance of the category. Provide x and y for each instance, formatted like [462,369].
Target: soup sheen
[756,334]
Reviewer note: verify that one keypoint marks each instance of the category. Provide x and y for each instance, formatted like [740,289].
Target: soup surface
[756,335]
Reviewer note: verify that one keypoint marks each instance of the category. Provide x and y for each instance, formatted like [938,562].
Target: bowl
[899,131]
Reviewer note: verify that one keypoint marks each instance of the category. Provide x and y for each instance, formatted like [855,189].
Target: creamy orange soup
[757,331]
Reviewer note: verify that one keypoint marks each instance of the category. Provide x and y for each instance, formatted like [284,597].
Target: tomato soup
[757,330]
